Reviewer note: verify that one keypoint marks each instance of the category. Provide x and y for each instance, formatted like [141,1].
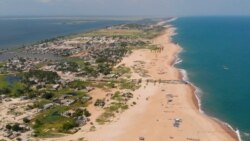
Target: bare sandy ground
[159,104]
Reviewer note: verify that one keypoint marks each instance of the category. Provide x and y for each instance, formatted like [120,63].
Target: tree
[15,127]
[86,113]
[69,125]
[26,120]
[47,95]
[8,126]
[41,76]
[38,123]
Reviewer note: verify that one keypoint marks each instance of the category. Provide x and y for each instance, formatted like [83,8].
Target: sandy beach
[164,111]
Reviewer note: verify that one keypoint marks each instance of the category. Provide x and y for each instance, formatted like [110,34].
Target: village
[46,97]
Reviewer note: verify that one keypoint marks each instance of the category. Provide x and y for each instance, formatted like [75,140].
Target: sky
[162,8]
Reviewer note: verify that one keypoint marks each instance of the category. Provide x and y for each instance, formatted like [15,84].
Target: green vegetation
[68,66]
[13,89]
[18,89]
[153,32]
[128,84]
[125,33]
[105,84]
[78,84]
[117,83]
[63,103]
[26,120]
[35,76]
[79,112]
[80,62]
[85,68]
[111,55]
[50,122]
[2,64]
[153,47]
[4,85]
[133,31]
[68,125]
[118,105]
[121,70]
[47,95]
[15,127]
[40,103]
[104,68]
[74,94]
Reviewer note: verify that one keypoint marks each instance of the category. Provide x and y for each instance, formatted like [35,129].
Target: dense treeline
[35,76]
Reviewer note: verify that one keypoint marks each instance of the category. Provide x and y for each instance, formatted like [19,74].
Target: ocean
[16,31]
[216,57]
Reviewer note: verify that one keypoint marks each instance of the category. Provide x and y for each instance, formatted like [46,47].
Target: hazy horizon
[133,8]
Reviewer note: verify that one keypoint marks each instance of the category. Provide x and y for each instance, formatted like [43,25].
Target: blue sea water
[216,56]
[23,30]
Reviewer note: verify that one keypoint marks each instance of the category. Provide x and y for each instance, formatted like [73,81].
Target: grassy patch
[14,88]
[121,70]
[2,64]
[41,102]
[128,33]
[3,82]
[118,105]
[18,89]
[153,32]
[51,123]
[128,84]
[78,84]
[105,117]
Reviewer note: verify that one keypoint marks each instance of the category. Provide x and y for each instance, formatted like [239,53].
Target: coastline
[197,103]
[166,106]
[196,99]
[153,116]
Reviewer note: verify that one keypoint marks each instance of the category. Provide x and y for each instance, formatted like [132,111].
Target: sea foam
[198,93]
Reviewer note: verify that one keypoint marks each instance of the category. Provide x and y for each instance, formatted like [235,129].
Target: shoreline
[227,127]
[196,99]
[158,105]
[154,112]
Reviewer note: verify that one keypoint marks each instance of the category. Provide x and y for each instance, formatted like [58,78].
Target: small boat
[225,68]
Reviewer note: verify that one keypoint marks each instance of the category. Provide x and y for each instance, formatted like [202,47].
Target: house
[127,95]
[48,106]
[65,96]
[110,76]
[100,103]
[68,113]
[81,120]
[67,102]
[90,89]
[56,86]
[86,98]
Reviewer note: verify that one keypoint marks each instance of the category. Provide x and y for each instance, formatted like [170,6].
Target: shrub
[38,123]
[78,84]
[8,126]
[41,76]
[86,113]
[26,120]
[69,125]
[16,127]
[47,95]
